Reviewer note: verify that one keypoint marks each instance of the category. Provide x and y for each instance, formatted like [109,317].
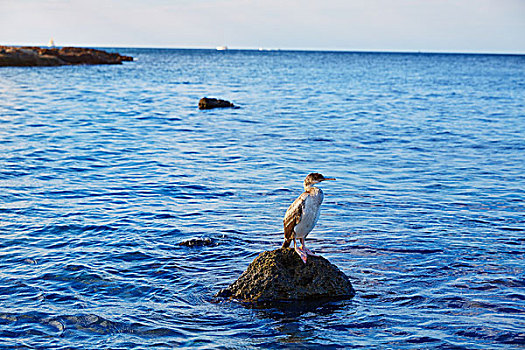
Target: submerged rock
[280,275]
[39,56]
[198,242]
[209,103]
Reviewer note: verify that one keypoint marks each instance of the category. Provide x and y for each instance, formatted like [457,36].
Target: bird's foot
[301,253]
[309,252]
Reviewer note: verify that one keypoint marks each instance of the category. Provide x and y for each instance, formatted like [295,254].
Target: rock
[198,242]
[37,56]
[209,103]
[280,275]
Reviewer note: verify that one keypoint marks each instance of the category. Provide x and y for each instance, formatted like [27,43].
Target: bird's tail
[286,243]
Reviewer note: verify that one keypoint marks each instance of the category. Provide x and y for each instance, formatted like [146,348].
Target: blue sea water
[104,170]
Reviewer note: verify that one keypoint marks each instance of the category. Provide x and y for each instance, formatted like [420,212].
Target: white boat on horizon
[51,43]
[221,48]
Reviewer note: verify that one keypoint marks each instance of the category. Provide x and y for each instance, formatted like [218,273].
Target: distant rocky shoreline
[33,56]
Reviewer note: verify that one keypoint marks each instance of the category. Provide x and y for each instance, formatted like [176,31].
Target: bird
[303,213]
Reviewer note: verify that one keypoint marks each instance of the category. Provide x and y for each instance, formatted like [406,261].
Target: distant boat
[51,43]
[222,48]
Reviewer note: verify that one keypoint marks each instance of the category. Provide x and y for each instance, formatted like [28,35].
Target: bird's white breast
[311,211]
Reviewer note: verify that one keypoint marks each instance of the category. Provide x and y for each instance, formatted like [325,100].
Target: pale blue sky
[392,25]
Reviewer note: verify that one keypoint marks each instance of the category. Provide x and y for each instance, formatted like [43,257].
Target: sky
[492,26]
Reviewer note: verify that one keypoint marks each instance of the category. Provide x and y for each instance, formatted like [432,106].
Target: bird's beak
[329,178]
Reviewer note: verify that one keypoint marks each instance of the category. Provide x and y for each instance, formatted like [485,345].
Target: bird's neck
[307,187]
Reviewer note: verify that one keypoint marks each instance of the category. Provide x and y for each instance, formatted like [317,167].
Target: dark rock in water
[280,275]
[198,242]
[38,56]
[209,103]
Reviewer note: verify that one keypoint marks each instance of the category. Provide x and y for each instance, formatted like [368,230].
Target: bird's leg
[304,249]
[299,250]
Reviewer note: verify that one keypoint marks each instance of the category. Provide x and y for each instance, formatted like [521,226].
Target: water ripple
[106,170]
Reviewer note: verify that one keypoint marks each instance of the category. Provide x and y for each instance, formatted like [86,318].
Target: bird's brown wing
[293,216]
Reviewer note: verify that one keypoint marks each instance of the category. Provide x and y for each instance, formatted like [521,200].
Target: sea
[105,170]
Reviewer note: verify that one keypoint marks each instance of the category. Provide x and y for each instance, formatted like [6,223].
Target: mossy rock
[280,275]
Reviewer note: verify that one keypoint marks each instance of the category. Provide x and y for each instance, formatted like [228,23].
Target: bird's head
[315,178]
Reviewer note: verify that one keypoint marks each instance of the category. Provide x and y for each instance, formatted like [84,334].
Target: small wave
[422,340]
[132,256]
[186,215]
[488,333]
[164,216]
[72,228]
[512,229]
[248,121]
[320,139]
[516,296]
[411,251]
[408,300]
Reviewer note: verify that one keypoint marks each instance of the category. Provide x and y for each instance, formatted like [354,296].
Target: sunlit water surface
[104,170]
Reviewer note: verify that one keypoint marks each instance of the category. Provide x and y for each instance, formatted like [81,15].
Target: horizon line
[270,49]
